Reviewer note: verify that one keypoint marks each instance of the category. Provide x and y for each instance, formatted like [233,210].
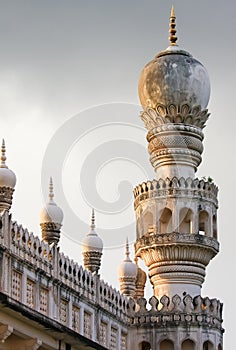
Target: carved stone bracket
[5,332]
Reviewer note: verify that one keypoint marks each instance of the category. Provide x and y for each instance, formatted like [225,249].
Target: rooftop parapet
[177,311]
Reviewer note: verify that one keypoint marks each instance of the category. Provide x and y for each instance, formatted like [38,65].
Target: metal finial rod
[173,38]
[3,156]
[51,193]
[93,220]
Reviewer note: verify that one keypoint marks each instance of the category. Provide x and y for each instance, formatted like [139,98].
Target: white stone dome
[127,268]
[92,242]
[51,212]
[174,77]
[7,176]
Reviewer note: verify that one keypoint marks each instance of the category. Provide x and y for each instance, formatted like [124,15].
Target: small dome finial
[172,30]
[51,193]
[3,156]
[92,226]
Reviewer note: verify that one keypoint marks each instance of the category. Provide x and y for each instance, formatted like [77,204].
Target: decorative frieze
[175,114]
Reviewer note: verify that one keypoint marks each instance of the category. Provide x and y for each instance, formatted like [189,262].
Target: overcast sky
[68,97]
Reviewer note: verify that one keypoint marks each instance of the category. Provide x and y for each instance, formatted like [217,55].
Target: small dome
[174,77]
[92,241]
[7,176]
[51,212]
[127,268]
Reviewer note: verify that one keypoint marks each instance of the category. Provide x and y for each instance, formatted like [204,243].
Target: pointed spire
[3,156]
[172,30]
[92,226]
[51,193]
[127,252]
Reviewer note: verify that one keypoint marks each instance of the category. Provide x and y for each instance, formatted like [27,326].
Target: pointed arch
[214,225]
[165,221]
[188,344]
[147,221]
[144,346]
[207,345]
[203,223]
[186,220]
[166,345]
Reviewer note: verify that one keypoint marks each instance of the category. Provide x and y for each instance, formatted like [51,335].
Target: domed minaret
[180,209]
[51,217]
[92,248]
[7,182]
[140,281]
[127,273]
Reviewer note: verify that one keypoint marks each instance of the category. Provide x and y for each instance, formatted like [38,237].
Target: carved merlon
[177,311]
[179,187]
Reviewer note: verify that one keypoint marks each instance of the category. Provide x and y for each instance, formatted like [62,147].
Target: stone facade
[49,302]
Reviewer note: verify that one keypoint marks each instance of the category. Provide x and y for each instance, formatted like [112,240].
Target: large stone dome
[174,77]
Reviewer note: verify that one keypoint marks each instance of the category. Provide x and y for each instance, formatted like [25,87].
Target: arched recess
[214,225]
[220,347]
[144,346]
[147,221]
[186,220]
[166,345]
[165,221]
[203,220]
[188,345]
[208,346]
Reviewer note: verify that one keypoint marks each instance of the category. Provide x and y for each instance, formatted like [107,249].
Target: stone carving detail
[166,239]
[16,285]
[63,311]
[30,293]
[182,187]
[183,114]
[50,232]
[87,325]
[103,333]
[181,311]
[6,195]
[43,301]
[113,341]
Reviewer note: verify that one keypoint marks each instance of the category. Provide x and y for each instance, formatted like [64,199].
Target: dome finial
[172,30]
[3,156]
[92,220]
[51,193]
